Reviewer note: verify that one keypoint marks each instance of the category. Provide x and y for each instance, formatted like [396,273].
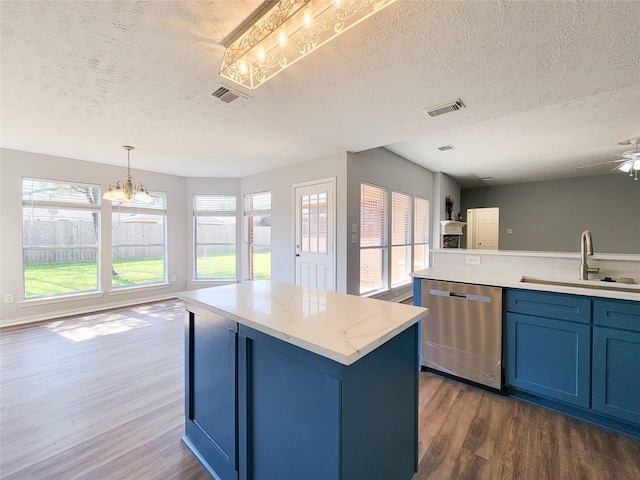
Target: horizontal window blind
[372,216]
[421,220]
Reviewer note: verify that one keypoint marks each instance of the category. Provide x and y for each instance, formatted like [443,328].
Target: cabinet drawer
[617,314]
[550,305]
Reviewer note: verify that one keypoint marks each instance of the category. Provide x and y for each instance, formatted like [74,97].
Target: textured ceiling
[548,86]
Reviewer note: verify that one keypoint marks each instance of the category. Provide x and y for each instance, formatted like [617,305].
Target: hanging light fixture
[632,167]
[287,30]
[632,163]
[125,191]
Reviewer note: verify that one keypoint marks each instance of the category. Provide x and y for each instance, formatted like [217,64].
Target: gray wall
[551,215]
[443,186]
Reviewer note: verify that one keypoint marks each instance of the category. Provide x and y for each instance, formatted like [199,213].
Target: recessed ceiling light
[446,147]
[486,178]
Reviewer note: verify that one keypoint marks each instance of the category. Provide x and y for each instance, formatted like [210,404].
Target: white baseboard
[26,319]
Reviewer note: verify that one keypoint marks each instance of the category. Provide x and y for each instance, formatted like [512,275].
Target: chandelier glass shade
[288,30]
[126,191]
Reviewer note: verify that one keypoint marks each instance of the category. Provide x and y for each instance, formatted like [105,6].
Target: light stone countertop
[341,327]
[592,288]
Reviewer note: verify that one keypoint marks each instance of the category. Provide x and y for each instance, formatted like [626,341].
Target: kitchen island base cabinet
[297,414]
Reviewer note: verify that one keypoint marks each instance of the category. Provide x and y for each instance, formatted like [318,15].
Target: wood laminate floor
[101,397]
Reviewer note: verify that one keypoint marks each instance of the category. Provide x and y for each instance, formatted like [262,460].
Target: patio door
[315,234]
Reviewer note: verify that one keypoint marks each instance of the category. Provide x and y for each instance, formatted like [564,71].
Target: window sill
[63,298]
[138,288]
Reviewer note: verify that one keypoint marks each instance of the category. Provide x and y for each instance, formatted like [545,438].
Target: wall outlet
[473,260]
[173,279]
[509,230]
[8,298]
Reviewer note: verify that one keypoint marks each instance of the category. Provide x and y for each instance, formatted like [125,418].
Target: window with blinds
[391,250]
[60,237]
[258,234]
[420,233]
[139,242]
[400,238]
[214,223]
[373,238]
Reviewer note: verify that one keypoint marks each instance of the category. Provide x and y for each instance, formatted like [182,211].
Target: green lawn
[48,279]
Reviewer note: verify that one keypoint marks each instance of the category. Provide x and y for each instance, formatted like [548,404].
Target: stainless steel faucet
[586,248]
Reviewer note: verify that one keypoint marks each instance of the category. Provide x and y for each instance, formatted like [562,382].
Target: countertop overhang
[338,326]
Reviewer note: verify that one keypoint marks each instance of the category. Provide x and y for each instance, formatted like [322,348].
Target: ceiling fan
[630,159]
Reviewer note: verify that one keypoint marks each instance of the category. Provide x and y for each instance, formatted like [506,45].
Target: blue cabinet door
[616,373]
[210,393]
[549,357]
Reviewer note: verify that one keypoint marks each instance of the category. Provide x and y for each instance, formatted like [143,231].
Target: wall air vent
[444,108]
[229,96]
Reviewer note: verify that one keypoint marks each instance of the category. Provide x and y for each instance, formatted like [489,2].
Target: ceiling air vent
[444,108]
[231,97]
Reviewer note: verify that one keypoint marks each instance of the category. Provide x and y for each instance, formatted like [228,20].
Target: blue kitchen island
[287,382]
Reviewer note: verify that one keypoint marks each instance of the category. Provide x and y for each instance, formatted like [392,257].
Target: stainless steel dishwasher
[462,335]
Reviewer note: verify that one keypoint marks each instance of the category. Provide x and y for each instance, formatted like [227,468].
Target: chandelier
[120,191]
[287,30]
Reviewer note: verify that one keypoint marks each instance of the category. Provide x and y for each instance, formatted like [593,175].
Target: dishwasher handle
[463,296]
[459,295]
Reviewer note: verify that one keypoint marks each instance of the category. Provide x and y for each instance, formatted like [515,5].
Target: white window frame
[407,244]
[416,237]
[249,213]
[205,211]
[157,207]
[54,204]
[383,245]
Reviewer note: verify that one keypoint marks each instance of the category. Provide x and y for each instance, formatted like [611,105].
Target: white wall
[385,169]
[280,182]
[16,164]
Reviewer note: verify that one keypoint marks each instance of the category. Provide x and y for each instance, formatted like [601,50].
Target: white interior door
[487,228]
[315,235]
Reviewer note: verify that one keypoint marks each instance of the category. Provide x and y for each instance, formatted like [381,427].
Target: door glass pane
[313,223]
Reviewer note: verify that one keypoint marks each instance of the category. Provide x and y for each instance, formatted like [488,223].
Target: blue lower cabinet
[616,359]
[549,357]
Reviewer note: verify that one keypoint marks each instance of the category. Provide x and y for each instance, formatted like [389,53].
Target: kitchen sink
[593,284]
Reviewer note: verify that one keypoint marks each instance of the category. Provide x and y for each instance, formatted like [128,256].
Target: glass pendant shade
[126,191]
